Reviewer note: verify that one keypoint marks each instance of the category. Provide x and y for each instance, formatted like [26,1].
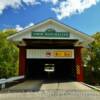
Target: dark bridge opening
[63,69]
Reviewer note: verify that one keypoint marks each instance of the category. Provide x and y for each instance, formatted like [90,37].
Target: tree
[8,55]
[92,60]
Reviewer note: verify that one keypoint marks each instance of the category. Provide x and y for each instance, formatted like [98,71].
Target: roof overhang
[83,39]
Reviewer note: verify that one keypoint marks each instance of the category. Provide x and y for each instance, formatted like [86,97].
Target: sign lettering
[63,54]
[50,34]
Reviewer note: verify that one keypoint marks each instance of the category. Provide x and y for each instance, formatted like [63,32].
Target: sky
[83,15]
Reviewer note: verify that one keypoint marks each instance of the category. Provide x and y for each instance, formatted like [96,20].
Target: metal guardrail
[9,80]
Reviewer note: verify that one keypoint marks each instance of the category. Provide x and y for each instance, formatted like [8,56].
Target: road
[46,90]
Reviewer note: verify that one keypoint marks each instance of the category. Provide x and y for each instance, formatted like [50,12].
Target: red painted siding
[79,64]
[22,60]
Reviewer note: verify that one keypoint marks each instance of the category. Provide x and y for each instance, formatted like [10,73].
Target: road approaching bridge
[49,90]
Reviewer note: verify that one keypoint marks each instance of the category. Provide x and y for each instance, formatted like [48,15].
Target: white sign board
[50,53]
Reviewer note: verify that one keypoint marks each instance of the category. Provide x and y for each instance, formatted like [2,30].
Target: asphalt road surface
[49,90]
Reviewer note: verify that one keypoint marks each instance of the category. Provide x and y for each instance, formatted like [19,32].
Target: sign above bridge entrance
[51,34]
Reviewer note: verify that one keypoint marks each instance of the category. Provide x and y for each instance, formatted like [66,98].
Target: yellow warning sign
[63,53]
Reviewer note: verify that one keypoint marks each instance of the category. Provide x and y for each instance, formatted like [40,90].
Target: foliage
[92,60]
[8,55]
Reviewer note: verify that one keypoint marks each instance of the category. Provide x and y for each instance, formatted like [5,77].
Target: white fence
[9,80]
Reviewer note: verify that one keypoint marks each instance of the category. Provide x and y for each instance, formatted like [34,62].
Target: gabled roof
[83,35]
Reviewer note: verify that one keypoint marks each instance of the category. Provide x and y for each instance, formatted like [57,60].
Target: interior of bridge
[63,69]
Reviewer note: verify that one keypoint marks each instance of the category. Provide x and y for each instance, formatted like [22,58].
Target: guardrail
[9,80]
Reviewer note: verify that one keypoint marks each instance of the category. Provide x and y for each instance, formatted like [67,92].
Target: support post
[22,60]
[79,64]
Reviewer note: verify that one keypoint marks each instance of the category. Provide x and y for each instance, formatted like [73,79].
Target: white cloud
[15,3]
[19,28]
[6,3]
[70,7]
[51,1]
[62,8]
[31,2]
[31,24]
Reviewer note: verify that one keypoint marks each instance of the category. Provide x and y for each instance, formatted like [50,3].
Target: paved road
[51,91]
[30,85]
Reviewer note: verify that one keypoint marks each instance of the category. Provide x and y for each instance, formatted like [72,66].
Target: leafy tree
[8,55]
[92,60]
